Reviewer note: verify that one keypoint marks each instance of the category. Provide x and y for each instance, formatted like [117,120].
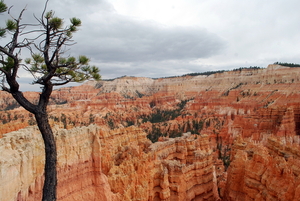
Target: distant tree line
[251,67]
[207,73]
[293,65]
[112,79]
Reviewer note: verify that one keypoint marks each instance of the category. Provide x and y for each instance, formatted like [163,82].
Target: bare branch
[59,44]
[3,50]
[43,13]
[4,88]
[32,31]
[62,83]
[8,11]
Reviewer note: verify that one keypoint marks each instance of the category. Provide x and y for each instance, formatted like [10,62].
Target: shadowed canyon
[231,135]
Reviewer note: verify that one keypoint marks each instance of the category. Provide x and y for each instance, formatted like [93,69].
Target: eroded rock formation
[241,119]
[267,170]
[79,165]
[172,169]
[121,164]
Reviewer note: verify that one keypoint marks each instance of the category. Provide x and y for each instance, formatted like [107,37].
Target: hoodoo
[228,136]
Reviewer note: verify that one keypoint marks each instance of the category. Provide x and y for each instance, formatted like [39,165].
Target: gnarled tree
[46,42]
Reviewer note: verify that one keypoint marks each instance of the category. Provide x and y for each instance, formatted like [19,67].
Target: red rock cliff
[122,164]
[79,165]
[264,171]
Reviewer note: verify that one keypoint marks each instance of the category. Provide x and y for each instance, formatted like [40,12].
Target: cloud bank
[166,38]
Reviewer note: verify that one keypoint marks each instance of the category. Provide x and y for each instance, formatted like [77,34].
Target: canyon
[230,135]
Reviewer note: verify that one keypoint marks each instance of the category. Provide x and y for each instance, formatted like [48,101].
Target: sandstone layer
[267,170]
[121,164]
[79,165]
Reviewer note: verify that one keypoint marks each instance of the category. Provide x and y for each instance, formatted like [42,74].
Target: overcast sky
[159,38]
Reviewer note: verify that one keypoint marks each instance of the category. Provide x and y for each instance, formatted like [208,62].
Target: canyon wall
[79,165]
[267,170]
[96,164]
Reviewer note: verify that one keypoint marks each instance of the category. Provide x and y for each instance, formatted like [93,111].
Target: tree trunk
[49,189]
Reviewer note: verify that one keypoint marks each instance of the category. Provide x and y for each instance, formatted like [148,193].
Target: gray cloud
[112,40]
[219,35]
[154,69]
[128,40]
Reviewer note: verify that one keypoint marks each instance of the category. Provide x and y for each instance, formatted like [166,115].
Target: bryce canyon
[226,136]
